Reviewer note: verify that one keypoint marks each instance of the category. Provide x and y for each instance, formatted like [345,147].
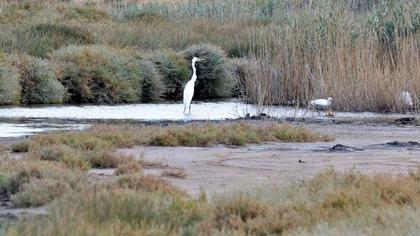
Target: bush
[96,74]
[213,77]
[63,153]
[33,182]
[152,86]
[9,83]
[39,192]
[174,71]
[20,146]
[38,82]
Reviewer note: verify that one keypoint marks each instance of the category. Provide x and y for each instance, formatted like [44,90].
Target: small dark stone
[260,116]
[408,144]
[406,121]
[343,148]
[300,161]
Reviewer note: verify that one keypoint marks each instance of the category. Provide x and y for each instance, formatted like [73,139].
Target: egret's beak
[202,60]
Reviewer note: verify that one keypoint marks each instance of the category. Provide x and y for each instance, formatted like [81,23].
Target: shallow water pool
[44,118]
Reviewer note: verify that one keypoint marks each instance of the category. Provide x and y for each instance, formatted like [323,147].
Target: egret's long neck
[194,75]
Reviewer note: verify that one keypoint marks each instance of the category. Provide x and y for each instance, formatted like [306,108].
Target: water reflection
[15,129]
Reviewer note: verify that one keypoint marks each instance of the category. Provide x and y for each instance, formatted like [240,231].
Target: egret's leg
[189,110]
[185,107]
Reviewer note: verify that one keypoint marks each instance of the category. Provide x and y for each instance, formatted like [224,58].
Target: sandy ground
[221,169]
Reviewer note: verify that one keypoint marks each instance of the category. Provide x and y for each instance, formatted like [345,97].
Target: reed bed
[361,53]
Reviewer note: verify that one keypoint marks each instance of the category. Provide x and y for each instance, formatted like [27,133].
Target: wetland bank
[93,140]
[189,179]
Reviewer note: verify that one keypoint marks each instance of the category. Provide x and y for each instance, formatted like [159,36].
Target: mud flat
[368,148]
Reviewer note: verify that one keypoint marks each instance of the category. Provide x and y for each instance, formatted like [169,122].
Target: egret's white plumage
[321,104]
[406,98]
[189,87]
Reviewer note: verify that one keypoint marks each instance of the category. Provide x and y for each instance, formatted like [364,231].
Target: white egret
[189,87]
[322,105]
[406,99]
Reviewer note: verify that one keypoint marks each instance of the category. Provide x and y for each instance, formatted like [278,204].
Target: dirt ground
[220,169]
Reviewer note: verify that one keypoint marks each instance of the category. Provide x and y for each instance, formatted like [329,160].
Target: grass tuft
[174,173]
[29,183]
[129,166]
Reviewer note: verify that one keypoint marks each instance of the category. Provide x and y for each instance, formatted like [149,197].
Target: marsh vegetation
[133,203]
[268,52]
[361,53]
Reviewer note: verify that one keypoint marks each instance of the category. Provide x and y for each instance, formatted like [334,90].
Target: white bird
[189,87]
[322,104]
[406,98]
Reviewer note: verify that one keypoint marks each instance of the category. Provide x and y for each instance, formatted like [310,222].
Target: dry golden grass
[129,166]
[327,204]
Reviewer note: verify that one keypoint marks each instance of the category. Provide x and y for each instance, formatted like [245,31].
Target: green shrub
[3,184]
[20,146]
[213,77]
[38,81]
[174,71]
[9,83]
[96,74]
[151,85]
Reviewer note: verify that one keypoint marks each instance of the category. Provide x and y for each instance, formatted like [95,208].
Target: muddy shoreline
[413,121]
